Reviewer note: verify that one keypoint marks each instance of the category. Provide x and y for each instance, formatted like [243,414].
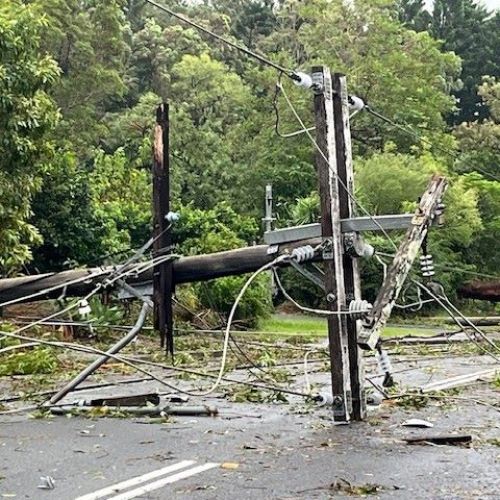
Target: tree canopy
[80,80]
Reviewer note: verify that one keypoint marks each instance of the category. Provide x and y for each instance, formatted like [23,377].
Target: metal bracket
[138,291]
[310,275]
[272,249]
[355,224]
[327,245]
[355,246]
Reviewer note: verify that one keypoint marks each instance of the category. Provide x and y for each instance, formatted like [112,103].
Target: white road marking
[162,482]
[116,488]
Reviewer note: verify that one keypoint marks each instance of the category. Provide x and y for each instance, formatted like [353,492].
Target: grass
[311,326]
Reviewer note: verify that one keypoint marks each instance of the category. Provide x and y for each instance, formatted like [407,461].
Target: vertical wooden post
[163,274]
[326,163]
[352,282]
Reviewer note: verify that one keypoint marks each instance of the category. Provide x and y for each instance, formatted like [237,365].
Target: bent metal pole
[84,374]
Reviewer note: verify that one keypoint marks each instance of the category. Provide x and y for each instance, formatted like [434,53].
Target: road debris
[230,465]
[47,483]
[119,401]
[452,439]
[416,422]
[460,380]
[137,411]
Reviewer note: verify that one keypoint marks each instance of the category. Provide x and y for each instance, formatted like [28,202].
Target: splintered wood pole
[326,163]
[352,283]
[163,274]
[369,335]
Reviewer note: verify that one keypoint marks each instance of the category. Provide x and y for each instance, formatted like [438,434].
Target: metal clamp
[327,246]
[355,246]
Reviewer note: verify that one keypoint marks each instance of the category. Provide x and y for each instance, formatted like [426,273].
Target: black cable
[291,74]
[277,115]
[410,131]
[446,307]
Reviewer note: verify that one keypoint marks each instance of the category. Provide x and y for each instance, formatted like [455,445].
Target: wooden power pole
[352,282]
[163,274]
[328,174]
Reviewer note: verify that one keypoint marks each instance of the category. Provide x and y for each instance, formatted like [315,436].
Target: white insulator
[302,254]
[84,308]
[324,399]
[359,308]
[368,251]
[384,363]
[172,217]
[427,266]
[440,208]
[439,213]
[356,103]
[302,80]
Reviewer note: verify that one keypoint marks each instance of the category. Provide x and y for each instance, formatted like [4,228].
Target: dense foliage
[79,82]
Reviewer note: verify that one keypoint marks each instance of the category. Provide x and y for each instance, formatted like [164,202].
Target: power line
[407,129]
[341,182]
[444,302]
[250,53]
[452,268]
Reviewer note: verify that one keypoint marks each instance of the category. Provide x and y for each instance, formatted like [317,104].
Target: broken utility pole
[191,269]
[397,272]
[163,273]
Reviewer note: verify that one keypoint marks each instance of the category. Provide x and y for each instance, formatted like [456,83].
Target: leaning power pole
[163,274]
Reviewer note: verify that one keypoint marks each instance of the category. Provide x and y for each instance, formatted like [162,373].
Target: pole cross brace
[312,276]
[352,225]
[369,334]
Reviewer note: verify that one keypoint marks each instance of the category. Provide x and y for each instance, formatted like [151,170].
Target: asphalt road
[254,451]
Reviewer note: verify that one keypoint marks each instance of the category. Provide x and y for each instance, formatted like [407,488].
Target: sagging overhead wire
[445,304]
[451,268]
[341,182]
[109,274]
[408,130]
[227,332]
[303,80]
[319,312]
[277,117]
[356,103]
[298,254]
[133,364]
[250,53]
[54,288]
[99,287]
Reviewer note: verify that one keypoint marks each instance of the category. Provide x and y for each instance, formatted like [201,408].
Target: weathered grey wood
[352,283]
[369,334]
[162,276]
[326,162]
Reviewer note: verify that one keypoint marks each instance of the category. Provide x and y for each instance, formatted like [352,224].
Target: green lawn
[312,326]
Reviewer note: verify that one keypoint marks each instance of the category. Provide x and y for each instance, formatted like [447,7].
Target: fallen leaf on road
[230,465]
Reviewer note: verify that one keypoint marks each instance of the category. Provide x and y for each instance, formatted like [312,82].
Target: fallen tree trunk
[478,321]
[185,269]
[481,290]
